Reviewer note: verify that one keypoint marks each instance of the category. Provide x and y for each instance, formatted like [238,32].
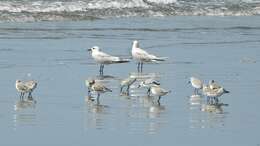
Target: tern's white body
[141,55]
[103,58]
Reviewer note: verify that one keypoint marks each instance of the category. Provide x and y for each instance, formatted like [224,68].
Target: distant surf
[56,10]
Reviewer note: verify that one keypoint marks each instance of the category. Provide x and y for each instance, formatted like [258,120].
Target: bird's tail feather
[108,89]
[160,58]
[121,61]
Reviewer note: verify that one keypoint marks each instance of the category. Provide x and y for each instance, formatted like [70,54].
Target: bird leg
[30,95]
[21,96]
[127,90]
[98,98]
[194,92]
[141,66]
[212,100]
[138,67]
[103,69]
[149,91]
[89,93]
[208,100]
[100,69]
[158,101]
[216,100]
[121,89]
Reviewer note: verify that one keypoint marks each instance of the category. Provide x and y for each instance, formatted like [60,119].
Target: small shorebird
[156,90]
[25,87]
[98,88]
[197,84]
[141,56]
[213,94]
[127,83]
[104,58]
[31,85]
[148,83]
[214,85]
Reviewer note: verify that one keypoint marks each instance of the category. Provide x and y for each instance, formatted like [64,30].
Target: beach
[55,54]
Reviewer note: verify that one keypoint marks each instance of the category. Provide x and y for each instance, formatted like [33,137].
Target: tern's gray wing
[106,57]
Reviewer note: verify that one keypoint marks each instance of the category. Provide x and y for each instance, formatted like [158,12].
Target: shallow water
[225,49]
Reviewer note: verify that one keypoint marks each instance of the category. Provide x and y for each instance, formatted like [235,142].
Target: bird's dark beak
[89,50]
[139,86]
[189,82]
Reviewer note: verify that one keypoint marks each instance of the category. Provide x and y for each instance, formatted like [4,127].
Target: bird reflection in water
[213,108]
[155,120]
[153,112]
[95,114]
[205,115]
[25,104]
[195,100]
[24,113]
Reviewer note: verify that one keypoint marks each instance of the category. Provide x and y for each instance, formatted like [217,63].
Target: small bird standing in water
[127,83]
[148,83]
[156,90]
[31,85]
[98,88]
[25,87]
[197,84]
[213,94]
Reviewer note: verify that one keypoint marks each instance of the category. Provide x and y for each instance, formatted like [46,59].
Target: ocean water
[51,10]
[55,54]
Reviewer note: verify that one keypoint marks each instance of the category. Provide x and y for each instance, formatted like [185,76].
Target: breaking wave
[55,10]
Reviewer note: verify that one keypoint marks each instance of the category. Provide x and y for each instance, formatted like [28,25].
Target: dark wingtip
[225,91]
[122,61]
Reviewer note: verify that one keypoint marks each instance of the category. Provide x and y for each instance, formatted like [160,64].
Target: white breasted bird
[156,90]
[127,83]
[104,58]
[32,84]
[98,88]
[197,84]
[213,94]
[141,56]
[25,87]
[148,83]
